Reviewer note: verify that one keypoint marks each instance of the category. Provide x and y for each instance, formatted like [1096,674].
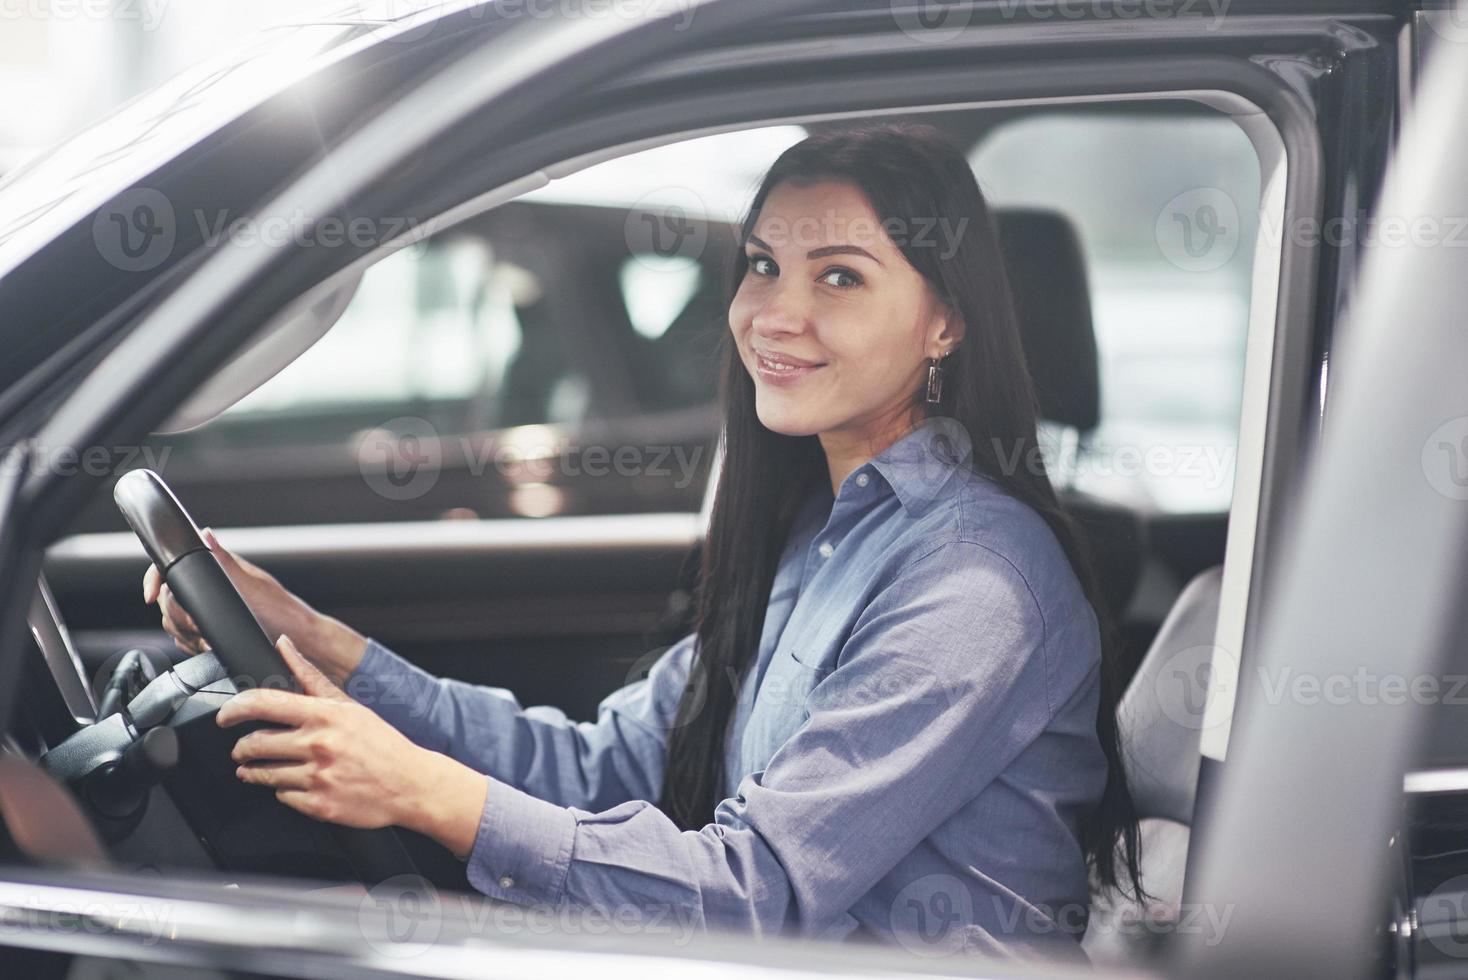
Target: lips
[785,360]
[776,369]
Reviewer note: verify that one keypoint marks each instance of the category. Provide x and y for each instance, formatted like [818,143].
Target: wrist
[444,801]
[333,646]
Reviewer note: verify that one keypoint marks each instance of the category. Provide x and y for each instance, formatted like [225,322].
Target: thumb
[312,680]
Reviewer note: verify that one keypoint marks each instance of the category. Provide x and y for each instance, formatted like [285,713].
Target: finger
[152,582]
[277,775]
[226,558]
[309,803]
[264,704]
[177,614]
[266,745]
[312,680]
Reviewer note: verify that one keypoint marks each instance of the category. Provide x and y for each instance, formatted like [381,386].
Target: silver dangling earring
[935,378]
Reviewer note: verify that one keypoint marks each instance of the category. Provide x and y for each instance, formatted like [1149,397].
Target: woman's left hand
[340,762]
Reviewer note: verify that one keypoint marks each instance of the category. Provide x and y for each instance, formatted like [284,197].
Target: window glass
[1166,210]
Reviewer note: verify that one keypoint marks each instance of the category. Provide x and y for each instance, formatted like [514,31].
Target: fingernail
[209,538]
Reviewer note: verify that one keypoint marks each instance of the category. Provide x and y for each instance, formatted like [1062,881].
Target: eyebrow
[823,251]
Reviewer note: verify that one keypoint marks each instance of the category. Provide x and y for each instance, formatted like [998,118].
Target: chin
[787,421]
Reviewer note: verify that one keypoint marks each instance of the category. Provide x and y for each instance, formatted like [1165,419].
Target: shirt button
[862,479]
[506,881]
[825,549]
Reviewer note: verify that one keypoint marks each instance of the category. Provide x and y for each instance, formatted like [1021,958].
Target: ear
[945,330]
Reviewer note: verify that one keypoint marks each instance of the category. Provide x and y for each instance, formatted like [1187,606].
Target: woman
[895,717]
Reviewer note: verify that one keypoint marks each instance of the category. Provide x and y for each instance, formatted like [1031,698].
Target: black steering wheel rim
[173,542]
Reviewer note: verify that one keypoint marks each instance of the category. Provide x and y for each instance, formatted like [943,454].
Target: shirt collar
[920,466]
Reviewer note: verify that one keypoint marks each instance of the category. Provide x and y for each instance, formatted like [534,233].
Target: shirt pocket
[818,657]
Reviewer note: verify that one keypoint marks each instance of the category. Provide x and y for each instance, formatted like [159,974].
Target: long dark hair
[906,172]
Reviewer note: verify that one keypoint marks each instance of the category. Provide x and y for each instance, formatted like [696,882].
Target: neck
[847,449]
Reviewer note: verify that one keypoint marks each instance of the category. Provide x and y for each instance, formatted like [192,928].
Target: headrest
[1047,274]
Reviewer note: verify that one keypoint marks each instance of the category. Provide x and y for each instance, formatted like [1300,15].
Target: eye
[841,278]
[763,265]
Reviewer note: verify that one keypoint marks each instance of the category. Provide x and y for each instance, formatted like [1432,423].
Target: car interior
[559,587]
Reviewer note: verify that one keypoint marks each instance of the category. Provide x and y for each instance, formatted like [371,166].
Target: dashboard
[53,703]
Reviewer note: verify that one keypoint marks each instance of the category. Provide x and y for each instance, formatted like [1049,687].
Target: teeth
[776,366]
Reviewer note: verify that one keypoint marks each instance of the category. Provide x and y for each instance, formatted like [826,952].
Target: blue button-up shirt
[909,759]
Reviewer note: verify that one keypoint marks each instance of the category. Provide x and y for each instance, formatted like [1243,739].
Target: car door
[1295,70]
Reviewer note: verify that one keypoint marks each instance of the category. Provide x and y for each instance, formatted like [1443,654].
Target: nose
[785,310]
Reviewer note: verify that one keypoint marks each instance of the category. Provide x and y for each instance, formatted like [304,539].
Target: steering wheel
[173,542]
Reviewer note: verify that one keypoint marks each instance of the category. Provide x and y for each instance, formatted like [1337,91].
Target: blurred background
[1164,204]
[67,63]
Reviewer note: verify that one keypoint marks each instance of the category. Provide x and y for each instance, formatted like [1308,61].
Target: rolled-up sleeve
[592,765]
[940,685]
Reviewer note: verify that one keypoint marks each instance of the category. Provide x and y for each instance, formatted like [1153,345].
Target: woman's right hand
[331,645]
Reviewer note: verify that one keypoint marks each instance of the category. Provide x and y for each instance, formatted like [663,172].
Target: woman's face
[826,287]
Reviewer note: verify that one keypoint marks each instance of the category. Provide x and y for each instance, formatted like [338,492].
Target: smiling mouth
[775,367]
